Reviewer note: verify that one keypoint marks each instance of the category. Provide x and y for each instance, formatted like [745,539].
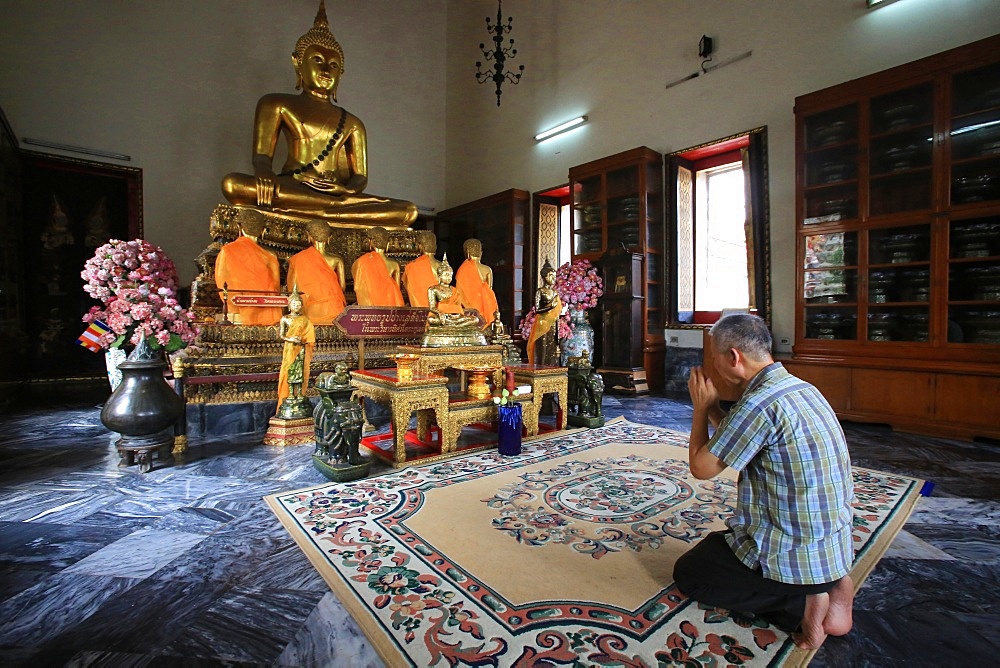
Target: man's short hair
[745,332]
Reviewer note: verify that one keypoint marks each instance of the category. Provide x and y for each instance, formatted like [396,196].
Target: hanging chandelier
[499,55]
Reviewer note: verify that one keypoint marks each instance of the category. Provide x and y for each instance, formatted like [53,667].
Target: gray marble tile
[137,555]
[285,568]
[52,546]
[942,510]
[907,546]
[54,604]
[329,637]
[246,624]
[969,542]
[142,620]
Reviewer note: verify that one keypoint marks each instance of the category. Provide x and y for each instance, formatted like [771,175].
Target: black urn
[143,409]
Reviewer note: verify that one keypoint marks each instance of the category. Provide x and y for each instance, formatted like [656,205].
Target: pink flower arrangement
[529,320]
[127,264]
[137,285]
[579,285]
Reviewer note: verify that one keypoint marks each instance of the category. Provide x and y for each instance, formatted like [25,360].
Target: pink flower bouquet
[137,285]
[579,285]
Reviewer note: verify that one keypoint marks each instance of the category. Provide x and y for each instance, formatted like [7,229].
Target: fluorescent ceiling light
[559,129]
[872,4]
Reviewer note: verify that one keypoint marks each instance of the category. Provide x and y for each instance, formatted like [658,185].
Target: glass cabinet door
[974,281]
[831,166]
[830,285]
[975,136]
[900,151]
[899,283]
[588,212]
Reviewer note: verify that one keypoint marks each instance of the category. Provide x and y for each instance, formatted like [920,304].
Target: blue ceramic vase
[509,429]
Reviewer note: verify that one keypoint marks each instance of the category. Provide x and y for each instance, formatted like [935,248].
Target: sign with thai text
[263,300]
[382,322]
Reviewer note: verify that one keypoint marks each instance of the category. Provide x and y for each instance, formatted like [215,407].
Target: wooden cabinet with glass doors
[498,222]
[618,204]
[898,209]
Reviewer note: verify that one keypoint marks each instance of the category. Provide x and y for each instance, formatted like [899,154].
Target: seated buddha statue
[375,275]
[320,275]
[326,169]
[243,266]
[447,322]
[475,280]
[421,273]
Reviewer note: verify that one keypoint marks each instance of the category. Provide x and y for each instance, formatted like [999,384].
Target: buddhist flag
[91,338]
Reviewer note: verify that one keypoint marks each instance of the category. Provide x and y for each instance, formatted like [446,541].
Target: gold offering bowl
[478,385]
[404,365]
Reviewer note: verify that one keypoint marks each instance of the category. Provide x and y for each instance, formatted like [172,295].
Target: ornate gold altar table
[420,392]
[426,393]
[543,380]
[437,359]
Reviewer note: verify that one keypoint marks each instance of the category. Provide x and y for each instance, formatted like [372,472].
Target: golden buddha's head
[252,224]
[378,237]
[473,248]
[318,57]
[319,231]
[427,242]
[445,272]
[548,273]
[295,300]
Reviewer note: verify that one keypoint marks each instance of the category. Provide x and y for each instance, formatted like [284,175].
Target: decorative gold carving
[294,431]
[546,380]
[403,399]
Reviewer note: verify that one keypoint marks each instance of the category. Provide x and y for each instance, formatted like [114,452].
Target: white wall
[173,84]
[612,61]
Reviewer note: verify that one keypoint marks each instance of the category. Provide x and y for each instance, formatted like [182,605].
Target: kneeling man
[787,551]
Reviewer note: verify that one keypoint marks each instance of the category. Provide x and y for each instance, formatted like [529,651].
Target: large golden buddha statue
[326,171]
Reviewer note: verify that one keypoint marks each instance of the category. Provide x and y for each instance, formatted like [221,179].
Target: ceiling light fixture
[875,4]
[561,128]
[498,55]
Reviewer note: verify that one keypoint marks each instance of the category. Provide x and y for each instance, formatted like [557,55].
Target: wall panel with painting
[70,207]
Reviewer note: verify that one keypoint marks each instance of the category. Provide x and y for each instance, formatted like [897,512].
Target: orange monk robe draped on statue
[478,293]
[418,277]
[322,298]
[304,329]
[544,322]
[243,265]
[373,284]
[453,304]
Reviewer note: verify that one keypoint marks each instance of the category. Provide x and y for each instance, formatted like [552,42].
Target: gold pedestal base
[296,431]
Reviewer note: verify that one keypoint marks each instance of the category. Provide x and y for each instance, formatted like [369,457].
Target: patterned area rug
[560,556]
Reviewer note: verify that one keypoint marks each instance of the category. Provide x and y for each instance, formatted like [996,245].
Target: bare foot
[813,632]
[840,617]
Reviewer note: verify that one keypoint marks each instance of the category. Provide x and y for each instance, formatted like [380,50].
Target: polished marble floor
[186,566]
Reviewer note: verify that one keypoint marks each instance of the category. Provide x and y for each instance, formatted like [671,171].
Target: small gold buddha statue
[447,322]
[326,171]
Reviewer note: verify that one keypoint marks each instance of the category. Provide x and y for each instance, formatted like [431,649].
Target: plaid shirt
[793,511]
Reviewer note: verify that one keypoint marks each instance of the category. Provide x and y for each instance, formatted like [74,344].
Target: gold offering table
[544,380]
[427,395]
[418,392]
[437,359]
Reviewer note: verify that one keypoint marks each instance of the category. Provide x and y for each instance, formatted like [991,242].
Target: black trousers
[711,574]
